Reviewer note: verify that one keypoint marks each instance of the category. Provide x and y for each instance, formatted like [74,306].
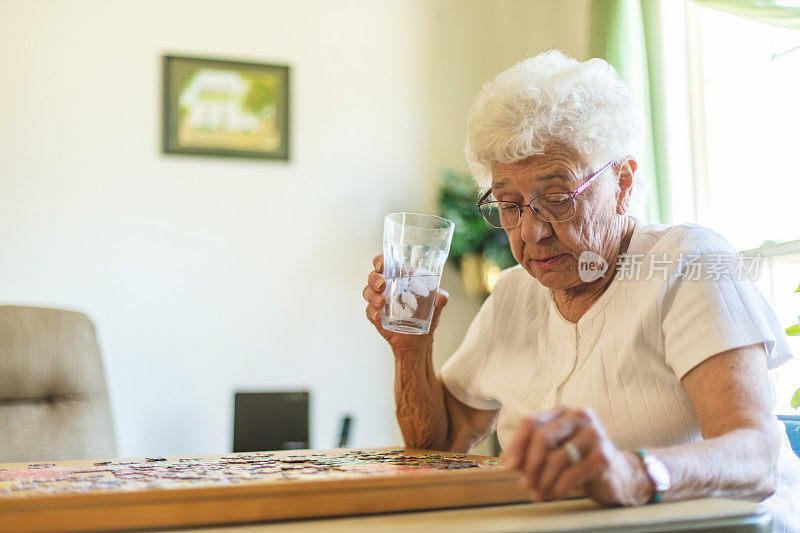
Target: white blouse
[681,296]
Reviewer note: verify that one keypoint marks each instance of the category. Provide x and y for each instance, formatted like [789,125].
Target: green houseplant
[479,251]
[794,331]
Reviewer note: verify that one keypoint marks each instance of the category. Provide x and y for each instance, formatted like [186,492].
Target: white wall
[473,41]
[199,275]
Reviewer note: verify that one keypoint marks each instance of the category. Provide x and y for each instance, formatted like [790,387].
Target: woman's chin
[558,275]
[554,280]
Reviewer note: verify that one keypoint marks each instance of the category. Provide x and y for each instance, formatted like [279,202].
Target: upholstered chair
[792,423]
[53,397]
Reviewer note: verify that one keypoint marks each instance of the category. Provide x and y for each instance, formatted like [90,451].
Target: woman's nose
[533,229]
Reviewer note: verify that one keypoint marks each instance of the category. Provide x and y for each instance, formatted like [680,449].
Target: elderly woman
[643,381]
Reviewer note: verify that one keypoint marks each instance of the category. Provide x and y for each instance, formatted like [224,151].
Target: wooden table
[390,490]
[126,494]
[717,515]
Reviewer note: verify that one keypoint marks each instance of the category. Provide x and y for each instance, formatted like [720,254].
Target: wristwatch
[657,472]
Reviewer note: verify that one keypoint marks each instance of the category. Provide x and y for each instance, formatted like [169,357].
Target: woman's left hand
[563,450]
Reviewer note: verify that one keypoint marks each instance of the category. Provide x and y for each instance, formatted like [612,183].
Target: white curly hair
[550,101]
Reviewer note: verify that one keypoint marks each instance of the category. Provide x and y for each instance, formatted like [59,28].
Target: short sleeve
[461,374]
[710,305]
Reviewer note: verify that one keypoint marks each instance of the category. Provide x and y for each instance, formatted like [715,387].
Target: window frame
[770,253]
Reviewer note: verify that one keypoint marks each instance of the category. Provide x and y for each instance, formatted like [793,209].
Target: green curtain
[626,33]
[784,13]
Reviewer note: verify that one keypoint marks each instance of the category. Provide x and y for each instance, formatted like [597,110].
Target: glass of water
[415,248]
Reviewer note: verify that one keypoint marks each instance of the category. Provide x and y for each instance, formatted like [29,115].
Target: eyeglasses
[551,207]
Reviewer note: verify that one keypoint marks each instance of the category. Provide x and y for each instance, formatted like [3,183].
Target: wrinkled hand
[602,471]
[373,294]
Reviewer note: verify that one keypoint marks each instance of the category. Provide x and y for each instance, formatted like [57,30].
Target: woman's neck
[573,302]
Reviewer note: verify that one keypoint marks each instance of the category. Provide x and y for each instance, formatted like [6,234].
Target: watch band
[657,472]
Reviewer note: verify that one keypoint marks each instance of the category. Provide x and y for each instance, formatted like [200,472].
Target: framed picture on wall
[225,108]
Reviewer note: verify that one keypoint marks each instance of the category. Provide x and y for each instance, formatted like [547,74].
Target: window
[747,78]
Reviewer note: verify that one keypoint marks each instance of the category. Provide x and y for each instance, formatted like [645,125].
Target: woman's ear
[625,184]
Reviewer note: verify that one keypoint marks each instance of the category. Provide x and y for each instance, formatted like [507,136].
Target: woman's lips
[548,261]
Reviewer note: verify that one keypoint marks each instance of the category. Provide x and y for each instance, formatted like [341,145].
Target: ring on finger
[573,454]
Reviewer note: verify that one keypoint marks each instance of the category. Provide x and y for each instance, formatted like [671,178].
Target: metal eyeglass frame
[582,187]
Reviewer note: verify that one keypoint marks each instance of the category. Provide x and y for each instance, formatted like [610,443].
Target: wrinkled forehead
[540,171]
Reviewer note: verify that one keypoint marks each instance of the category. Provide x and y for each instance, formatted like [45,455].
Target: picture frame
[217,107]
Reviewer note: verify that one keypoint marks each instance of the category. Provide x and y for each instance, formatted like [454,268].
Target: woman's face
[550,251]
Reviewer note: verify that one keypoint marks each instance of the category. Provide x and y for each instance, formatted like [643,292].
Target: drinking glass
[415,248]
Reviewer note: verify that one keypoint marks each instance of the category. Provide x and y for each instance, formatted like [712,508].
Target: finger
[576,476]
[514,454]
[368,294]
[441,299]
[558,461]
[546,437]
[511,455]
[374,316]
[377,262]
[540,421]
[438,305]
[533,458]
[376,281]
[374,299]
[554,463]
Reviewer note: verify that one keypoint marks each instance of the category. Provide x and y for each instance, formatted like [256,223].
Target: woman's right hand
[373,294]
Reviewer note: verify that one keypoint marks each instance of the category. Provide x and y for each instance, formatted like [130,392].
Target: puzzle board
[244,487]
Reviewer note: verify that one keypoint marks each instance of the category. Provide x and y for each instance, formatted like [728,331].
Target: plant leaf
[797,289]
[457,196]
[793,331]
[796,399]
